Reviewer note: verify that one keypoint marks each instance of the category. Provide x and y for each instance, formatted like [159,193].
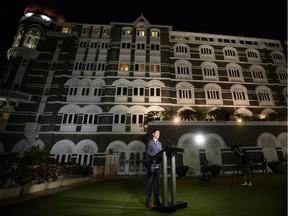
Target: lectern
[169,152]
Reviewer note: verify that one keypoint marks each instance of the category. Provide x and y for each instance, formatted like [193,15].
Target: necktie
[158,146]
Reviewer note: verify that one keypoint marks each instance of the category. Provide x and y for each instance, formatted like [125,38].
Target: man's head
[156,133]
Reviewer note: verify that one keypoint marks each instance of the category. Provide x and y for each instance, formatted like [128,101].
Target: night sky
[250,18]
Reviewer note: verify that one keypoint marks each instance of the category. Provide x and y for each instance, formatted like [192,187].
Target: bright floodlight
[199,139]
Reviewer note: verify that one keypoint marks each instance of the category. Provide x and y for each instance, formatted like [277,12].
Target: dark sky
[250,18]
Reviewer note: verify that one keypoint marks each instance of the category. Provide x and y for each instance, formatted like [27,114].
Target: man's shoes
[245,184]
[149,205]
[157,203]
[250,184]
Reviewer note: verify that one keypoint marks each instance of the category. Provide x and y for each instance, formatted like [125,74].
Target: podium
[169,152]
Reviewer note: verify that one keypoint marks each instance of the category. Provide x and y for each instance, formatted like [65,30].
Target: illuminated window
[127,32]
[96,31]
[155,34]
[106,31]
[141,33]
[154,68]
[32,38]
[66,30]
[86,30]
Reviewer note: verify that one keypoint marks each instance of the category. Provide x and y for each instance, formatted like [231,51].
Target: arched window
[18,37]
[181,50]
[239,95]
[209,71]
[183,69]
[278,57]
[264,96]
[213,94]
[234,72]
[258,73]
[230,54]
[185,93]
[206,52]
[253,55]
[32,38]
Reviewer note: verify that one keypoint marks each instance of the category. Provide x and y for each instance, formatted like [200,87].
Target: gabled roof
[141,19]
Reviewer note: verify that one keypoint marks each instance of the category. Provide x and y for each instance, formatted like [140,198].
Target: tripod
[205,175]
[236,168]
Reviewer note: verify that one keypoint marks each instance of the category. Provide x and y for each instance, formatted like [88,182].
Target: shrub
[273,164]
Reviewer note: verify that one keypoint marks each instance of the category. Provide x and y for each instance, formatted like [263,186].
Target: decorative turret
[43,11]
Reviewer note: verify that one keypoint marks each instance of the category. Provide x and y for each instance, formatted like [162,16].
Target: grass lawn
[219,197]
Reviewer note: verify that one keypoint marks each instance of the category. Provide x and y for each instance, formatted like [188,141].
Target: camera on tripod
[234,150]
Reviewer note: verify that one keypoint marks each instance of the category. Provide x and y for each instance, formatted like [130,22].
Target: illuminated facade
[83,90]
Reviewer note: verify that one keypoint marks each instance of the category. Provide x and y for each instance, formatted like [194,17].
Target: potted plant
[181,171]
[214,169]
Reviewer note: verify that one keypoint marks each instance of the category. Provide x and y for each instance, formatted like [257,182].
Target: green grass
[219,197]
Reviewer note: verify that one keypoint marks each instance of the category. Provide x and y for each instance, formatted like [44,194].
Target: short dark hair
[154,130]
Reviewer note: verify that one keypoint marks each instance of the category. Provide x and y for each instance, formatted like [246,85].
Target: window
[32,38]
[85,91]
[70,118]
[278,57]
[154,67]
[125,45]
[213,94]
[155,92]
[139,67]
[97,91]
[79,66]
[82,44]
[181,50]
[185,93]
[282,74]
[206,52]
[101,66]
[155,34]
[183,69]
[119,118]
[66,30]
[209,71]
[234,72]
[96,31]
[104,45]
[127,31]
[253,55]
[86,30]
[230,54]
[138,91]
[93,45]
[258,73]
[106,31]
[140,46]
[239,94]
[18,37]
[137,118]
[141,33]
[155,47]
[122,90]
[264,95]
[123,67]
[90,118]
[72,91]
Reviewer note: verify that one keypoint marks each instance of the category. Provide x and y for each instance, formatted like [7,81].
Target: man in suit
[153,169]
